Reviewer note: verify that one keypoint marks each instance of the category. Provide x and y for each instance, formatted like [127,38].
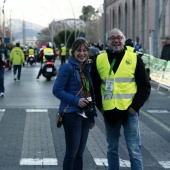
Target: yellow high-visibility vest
[31,51]
[47,50]
[124,85]
[63,51]
[131,49]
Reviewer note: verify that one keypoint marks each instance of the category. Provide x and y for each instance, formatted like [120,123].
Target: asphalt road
[30,140]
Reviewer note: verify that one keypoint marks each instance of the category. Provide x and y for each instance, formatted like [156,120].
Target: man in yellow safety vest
[121,87]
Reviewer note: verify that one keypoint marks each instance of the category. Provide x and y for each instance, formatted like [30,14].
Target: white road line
[158,111]
[103,162]
[2,110]
[38,147]
[165,164]
[36,110]
[37,161]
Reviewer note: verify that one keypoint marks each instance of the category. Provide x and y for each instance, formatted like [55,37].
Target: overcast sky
[43,12]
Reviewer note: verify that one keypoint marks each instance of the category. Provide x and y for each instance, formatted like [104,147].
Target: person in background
[36,54]
[3,55]
[17,58]
[57,52]
[30,52]
[48,49]
[121,87]
[70,52]
[73,87]
[8,63]
[129,45]
[63,52]
[165,53]
[138,45]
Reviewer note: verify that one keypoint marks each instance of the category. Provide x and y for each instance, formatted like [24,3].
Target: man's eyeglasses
[115,38]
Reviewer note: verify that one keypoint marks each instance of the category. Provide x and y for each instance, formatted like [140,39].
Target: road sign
[6,40]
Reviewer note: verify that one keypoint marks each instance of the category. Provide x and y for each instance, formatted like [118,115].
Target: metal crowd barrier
[159,70]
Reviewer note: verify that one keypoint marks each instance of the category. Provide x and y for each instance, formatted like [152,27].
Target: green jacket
[17,56]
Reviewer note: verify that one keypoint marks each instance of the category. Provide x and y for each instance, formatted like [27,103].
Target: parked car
[93,52]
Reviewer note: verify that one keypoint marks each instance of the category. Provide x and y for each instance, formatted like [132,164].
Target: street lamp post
[74,21]
[10,28]
[104,31]
[4,33]
[52,32]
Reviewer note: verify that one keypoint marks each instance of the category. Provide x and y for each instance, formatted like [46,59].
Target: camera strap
[65,109]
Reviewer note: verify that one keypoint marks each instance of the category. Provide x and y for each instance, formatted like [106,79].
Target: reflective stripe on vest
[124,85]
[120,80]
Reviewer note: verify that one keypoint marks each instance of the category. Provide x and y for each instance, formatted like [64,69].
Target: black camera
[89,109]
[59,120]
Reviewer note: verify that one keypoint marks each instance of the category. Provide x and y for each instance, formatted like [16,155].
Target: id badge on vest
[109,86]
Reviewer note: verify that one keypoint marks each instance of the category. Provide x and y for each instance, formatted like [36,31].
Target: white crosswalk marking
[37,126]
[158,111]
[38,147]
[103,162]
[165,164]
[37,161]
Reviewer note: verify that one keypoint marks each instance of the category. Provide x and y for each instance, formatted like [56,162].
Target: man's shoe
[15,77]
[37,78]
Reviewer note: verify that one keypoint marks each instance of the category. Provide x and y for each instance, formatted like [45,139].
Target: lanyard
[112,64]
[87,85]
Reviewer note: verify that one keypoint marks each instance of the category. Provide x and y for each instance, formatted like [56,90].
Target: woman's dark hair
[78,43]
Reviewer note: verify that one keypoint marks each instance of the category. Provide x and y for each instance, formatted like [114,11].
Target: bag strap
[65,109]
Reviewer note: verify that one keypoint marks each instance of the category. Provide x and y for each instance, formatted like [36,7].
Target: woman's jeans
[133,141]
[2,70]
[15,69]
[76,132]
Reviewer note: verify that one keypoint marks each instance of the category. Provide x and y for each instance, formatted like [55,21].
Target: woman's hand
[83,102]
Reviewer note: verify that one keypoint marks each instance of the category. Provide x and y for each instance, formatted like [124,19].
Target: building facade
[147,19]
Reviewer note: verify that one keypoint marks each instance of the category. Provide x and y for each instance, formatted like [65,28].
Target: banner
[159,70]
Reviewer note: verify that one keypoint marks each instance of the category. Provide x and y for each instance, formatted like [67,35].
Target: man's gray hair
[109,34]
